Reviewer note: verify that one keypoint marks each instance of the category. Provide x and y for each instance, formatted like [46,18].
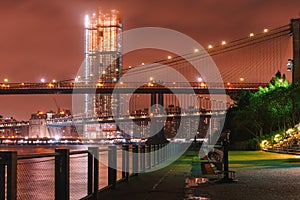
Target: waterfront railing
[66,174]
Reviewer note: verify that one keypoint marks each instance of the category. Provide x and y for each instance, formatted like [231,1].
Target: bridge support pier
[295,23]
[161,99]
[153,99]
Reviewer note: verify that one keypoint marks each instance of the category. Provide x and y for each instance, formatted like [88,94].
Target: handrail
[31,156]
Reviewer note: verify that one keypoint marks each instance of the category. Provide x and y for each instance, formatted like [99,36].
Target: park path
[261,175]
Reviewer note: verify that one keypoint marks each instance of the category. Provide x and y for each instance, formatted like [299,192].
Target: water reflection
[193,181]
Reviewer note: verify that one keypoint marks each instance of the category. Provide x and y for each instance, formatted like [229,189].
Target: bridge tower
[103,64]
[295,28]
[103,58]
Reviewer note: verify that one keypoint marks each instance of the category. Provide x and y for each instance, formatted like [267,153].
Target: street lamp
[5,80]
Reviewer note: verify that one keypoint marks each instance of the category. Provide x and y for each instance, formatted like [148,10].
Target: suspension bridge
[243,64]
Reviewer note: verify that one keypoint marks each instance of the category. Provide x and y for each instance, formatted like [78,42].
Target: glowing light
[129,67]
[43,80]
[264,144]
[224,43]
[87,21]
[53,81]
[228,83]
[202,84]
[99,84]
[277,138]
[151,78]
[251,35]
[114,79]
[210,46]
[242,79]
[199,79]
[117,69]
[196,50]
[266,30]
[169,57]
[57,137]
[5,80]
[143,63]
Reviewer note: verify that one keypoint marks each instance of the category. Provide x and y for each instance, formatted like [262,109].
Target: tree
[271,108]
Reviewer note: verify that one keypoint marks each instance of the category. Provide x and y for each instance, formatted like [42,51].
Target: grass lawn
[261,159]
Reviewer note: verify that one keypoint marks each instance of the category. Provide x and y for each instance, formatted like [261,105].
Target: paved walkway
[167,183]
[260,175]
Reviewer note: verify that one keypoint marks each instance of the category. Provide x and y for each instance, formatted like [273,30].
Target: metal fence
[35,178]
[77,174]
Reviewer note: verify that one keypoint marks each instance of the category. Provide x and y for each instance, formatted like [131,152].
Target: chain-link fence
[78,176]
[35,178]
[103,173]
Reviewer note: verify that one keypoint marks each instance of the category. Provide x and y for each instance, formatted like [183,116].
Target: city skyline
[46,38]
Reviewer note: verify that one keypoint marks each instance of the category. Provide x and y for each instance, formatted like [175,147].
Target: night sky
[44,38]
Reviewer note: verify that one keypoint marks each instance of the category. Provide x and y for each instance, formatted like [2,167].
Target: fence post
[93,171]
[148,153]
[157,154]
[163,152]
[62,170]
[90,172]
[135,160]
[142,158]
[153,153]
[2,177]
[125,162]
[168,151]
[9,159]
[112,166]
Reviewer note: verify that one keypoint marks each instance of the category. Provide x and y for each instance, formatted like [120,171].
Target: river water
[36,176]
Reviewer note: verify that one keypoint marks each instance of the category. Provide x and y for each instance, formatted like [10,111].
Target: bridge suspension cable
[251,48]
